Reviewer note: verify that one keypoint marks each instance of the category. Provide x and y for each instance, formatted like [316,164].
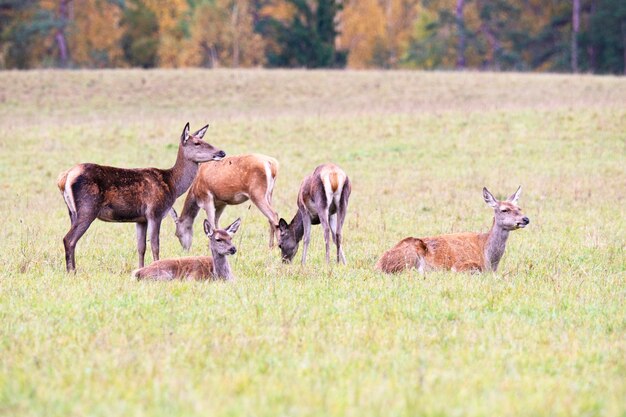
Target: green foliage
[605,40]
[141,38]
[22,24]
[309,39]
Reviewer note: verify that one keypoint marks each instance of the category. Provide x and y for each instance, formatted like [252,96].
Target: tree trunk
[391,53]
[592,51]
[235,26]
[575,28]
[59,36]
[460,59]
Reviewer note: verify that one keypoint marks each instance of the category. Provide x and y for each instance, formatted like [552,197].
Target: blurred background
[497,35]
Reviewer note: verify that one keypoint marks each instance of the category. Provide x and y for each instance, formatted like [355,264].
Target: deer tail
[274,165]
[61,179]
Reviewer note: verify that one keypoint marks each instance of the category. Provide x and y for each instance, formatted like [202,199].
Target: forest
[493,35]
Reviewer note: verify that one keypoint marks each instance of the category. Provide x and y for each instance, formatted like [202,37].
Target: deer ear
[185,135]
[489,198]
[174,214]
[207,228]
[282,224]
[200,133]
[232,229]
[513,199]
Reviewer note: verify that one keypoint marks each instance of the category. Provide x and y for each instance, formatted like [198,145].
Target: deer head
[287,241]
[221,239]
[195,149]
[184,229]
[508,215]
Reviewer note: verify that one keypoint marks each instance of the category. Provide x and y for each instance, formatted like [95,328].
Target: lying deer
[323,198]
[143,196]
[197,267]
[476,252]
[231,181]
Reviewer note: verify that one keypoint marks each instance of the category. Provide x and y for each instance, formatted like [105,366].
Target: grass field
[546,335]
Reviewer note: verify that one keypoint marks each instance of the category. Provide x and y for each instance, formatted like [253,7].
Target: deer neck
[495,246]
[183,173]
[297,227]
[190,209]
[221,267]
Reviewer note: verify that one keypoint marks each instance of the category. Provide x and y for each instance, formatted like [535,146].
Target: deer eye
[505,210]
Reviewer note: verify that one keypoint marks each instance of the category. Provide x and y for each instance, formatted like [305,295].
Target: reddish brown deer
[143,195]
[197,267]
[323,199]
[231,181]
[474,252]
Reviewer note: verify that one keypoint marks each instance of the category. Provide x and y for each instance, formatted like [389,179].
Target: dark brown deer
[323,199]
[231,181]
[197,267]
[463,252]
[143,195]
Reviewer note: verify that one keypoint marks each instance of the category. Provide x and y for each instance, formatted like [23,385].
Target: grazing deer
[143,196]
[197,267]
[323,198]
[475,252]
[231,181]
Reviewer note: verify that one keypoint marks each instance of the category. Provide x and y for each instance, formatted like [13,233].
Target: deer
[197,267]
[230,181]
[459,252]
[322,199]
[142,195]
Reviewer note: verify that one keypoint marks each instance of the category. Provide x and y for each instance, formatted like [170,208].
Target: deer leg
[77,230]
[274,226]
[154,228]
[141,242]
[332,220]
[218,213]
[306,225]
[266,208]
[341,217]
[209,207]
[466,266]
[324,221]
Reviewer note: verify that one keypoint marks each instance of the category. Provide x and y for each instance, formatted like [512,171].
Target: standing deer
[197,267]
[231,181]
[475,252]
[143,195]
[323,198]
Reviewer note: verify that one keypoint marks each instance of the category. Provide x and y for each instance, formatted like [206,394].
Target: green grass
[544,336]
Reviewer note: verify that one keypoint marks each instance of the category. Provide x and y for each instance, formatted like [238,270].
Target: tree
[605,38]
[96,32]
[575,29]
[308,38]
[140,41]
[377,33]
[59,36]
[222,33]
[460,24]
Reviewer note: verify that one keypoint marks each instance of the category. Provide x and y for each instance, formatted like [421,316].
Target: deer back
[446,251]
[232,179]
[326,184]
[192,268]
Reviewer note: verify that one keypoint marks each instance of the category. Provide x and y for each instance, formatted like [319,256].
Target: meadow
[544,336]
